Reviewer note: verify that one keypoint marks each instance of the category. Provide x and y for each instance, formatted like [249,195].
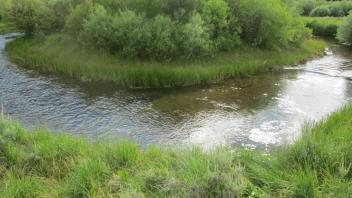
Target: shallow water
[261,112]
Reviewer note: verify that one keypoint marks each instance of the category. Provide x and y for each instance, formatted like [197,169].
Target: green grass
[42,164]
[323,26]
[58,54]
[6,28]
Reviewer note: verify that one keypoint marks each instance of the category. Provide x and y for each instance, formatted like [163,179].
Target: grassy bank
[323,26]
[6,28]
[40,164]
[58,54]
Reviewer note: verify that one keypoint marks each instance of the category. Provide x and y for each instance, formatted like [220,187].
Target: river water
[260,112]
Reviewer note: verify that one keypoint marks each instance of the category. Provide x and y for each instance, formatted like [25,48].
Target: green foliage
[340,8]
[306,6]
[344,32]
[331,8]
[320,11]
[181,10]
[195,40]
[128,35]
[268,24]
[324,26]
[30,16]
[77,17]
[317,165]
[15,187]
[96,29]
[157,29]
[216,15]
[62,54]
[161,44]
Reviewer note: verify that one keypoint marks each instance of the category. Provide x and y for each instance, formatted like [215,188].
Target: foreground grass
[58,54]
[41,164]
[323,26]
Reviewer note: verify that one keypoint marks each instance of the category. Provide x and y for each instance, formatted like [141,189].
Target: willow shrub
[268,23]
[163,29]
[344,32]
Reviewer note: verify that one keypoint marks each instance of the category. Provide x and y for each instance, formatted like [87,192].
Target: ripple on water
[258,112]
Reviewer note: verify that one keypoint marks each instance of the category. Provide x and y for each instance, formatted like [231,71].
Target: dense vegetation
[344,33]
[323,26]
[60,54]
[41,164]
[162,29]
[323,8]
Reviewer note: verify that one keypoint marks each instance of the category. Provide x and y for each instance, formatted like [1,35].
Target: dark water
[258,112]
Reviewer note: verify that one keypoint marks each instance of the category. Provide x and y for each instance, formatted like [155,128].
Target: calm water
[258,112]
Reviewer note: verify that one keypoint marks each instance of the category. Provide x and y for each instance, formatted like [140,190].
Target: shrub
[216,16]
[268,24]
[340,8]
[181,10]
[59,9]
[326,27]
[162,44]
[195,39]
[320,11]
[163,29]
[306,6]
[75,20]
[149,8]
[128,35]
[30,16]
[96,30]
[344,32]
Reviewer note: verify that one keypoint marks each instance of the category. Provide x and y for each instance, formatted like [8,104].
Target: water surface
[264,111]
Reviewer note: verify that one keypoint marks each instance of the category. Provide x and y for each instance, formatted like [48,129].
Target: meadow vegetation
[41,164]
[61,54]
[162,30]
[323,8]
[344,32]
[323,26]
[158,43]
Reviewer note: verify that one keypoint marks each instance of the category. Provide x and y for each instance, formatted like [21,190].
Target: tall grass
[59,54]
[6,28]
[40,164]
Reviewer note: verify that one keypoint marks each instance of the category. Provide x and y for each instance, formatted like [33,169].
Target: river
[260,112]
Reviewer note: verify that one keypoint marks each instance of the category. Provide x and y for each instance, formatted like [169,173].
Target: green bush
[332,8]
[216,15]
[96,30]
[162,44]
[181,10]
[75,20]
[30,16]
[324,26]
[344,32]
[306,6]
[340,8]
[128,34]
[320,11]
[163,29]
[195,39]
[59,9]
[269,24]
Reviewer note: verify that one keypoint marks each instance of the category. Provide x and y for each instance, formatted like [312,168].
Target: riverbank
[61,55]
[6,28]
[41,164]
